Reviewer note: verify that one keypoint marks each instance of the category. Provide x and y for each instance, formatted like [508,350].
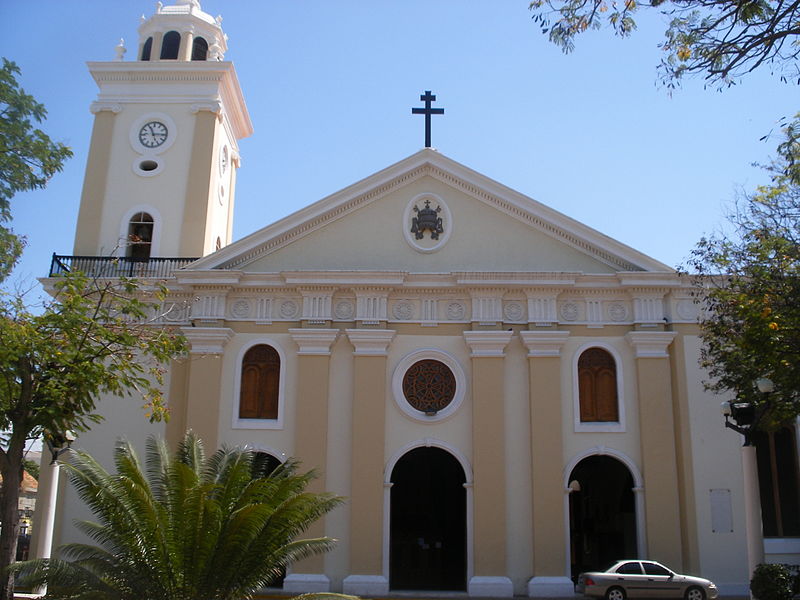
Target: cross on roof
[427,98]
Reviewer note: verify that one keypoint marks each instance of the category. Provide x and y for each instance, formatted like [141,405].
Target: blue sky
[330,86]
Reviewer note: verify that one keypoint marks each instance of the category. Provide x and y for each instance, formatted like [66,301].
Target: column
[204,381]
[490,578]
[366,498]
[311,442]
[657,438]
[550,525]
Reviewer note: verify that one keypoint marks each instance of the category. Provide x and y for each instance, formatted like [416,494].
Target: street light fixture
[745,422]
[58,443]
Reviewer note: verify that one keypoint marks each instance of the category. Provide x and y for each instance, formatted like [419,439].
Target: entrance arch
[602,513]
[428,522]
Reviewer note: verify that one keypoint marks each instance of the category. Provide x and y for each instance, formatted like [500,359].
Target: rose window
[429,386]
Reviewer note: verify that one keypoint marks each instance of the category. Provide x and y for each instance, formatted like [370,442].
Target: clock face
[153,134]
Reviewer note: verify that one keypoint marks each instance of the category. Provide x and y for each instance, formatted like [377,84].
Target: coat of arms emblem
[427,219]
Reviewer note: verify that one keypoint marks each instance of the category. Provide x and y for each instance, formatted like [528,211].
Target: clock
[153,134]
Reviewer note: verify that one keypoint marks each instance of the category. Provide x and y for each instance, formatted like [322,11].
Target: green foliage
[28,157]
[720,39]
[749,285]
[184,527]
[772,582]
[93,337]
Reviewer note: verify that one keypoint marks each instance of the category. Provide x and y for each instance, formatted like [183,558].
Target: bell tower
[161,172]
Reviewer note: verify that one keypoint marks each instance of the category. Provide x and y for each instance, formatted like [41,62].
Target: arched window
[597,386]
[199,49]
[778,482]
[140,236]
[170,45]
[258,396]
[147,48]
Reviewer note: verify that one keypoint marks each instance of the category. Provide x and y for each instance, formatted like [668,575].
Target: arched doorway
[602,514]
[428,522]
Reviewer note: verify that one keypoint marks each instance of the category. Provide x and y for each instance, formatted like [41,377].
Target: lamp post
[57,444]
[745,421]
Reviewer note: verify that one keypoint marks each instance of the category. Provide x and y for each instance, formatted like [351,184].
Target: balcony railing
[117,266]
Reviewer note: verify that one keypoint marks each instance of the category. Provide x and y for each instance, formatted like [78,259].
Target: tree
[749,284]
[28,157]
[94,336]
[188,527]
[721,39]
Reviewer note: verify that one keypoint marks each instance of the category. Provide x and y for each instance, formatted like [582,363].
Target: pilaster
[204,381]
[311,441]
[550,576]
[659,452]
[366,498]
[489,487]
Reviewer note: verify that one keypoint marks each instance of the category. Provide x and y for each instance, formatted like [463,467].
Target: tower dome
[182,32]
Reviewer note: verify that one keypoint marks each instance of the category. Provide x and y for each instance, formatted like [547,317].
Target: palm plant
[187,527]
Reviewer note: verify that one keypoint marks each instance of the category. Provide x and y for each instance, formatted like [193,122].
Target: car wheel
[617,593]
[695,593]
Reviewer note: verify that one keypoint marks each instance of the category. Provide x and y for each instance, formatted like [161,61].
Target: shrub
[772,582]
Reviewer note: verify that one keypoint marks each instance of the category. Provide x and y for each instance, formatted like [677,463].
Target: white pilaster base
[365,585]
[550,587]
[490,587]
[302,583]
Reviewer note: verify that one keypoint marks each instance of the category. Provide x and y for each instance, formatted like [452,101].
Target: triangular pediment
[486,227]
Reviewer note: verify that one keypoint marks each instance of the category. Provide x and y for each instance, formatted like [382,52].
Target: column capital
[487,343]
[650,344]
[314,341]
[370,342]
[544,343]
[207,340]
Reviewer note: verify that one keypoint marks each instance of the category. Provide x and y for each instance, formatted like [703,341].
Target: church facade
[505,396]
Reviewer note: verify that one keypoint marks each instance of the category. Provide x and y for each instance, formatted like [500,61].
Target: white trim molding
[490,587]
[370,342]
[365,585]
[304,583]
[650,344]
[428,354]
[551,587]
[638,492]
[387,496]
[544,343]
[579,426]
[487,343]
[236,421]
[207,340]
[447,223]
[314,341]
[155,241]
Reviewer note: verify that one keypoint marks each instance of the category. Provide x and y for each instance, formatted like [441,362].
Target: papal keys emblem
[427,219]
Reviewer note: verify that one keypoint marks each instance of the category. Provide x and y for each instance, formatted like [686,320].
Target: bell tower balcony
[118,266]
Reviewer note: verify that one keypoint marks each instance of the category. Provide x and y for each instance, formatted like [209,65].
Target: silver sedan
[643,579]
